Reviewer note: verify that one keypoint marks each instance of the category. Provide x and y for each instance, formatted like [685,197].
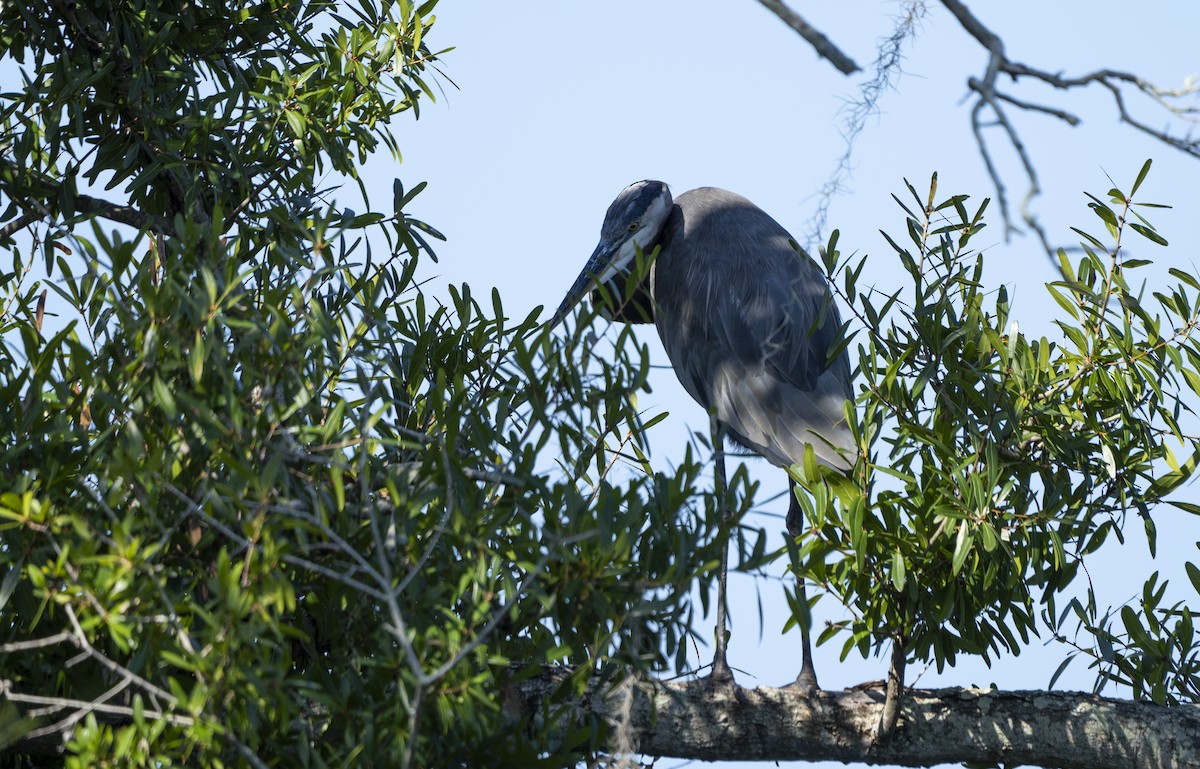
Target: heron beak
[600,268]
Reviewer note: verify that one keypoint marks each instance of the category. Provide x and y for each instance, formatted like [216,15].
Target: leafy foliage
[994,463]
[266,503]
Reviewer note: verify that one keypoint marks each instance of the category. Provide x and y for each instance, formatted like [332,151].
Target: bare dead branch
[62,703]
[1185,144]
[989,164]
[1066,117]
[972,25]
[821,44]
[1110,79]
[81,640]
[78,714]
[991,98]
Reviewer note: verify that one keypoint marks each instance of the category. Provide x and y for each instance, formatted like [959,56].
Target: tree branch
[38,196]
[894,688]
[90,206]
[690,720]
[93,33]
[86,204]
[821,44]
[16,225]
[991,97]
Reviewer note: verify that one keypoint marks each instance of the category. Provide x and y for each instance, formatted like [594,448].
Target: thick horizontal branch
[694,720]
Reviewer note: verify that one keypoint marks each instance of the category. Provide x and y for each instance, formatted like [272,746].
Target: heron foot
[720,676]
[721,672]
[805,683]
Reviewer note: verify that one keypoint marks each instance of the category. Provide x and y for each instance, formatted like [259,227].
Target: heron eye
[633,227]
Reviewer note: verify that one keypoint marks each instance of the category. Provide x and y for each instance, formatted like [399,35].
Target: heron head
[633,222]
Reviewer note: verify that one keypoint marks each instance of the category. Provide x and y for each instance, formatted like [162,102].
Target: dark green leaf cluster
[994,463]
[193,109]
[264,501]
[318,517]
[267,503]
[1153,651]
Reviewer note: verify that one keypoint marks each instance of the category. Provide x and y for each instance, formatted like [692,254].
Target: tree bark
[691,720]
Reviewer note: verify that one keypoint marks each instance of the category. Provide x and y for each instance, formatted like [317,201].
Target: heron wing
[748,324]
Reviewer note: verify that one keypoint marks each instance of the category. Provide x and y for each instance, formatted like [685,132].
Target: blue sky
[558,106]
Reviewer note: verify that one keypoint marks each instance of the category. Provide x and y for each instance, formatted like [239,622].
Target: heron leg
[721,671]
[806,682]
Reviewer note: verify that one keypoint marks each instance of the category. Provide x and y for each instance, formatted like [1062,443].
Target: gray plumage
[744,314]
[748,323]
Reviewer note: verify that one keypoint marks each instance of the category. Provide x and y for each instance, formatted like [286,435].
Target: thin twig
[989,97]
[116,710]
[121,670]
[294,560]
[1066,117]
[38,643]
[66,724]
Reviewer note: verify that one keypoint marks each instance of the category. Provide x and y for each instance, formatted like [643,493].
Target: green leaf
[1065,266]
[898,575]
[1063,301]
[196,358]
[9,583]
[163,396]
[962,547]
[1133,626]
[1110,461]
[1062,666]
[1189,507]
[652,421]
[1193,574]
[295,122]
[1140,177]
[1193,380]
[1148,233]
[1089,238]
[337,478]
[1184,276]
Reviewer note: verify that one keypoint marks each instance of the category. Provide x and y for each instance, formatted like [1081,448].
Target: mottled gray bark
[692,720]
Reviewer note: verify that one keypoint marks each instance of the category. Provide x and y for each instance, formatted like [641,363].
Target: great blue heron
[748,324]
